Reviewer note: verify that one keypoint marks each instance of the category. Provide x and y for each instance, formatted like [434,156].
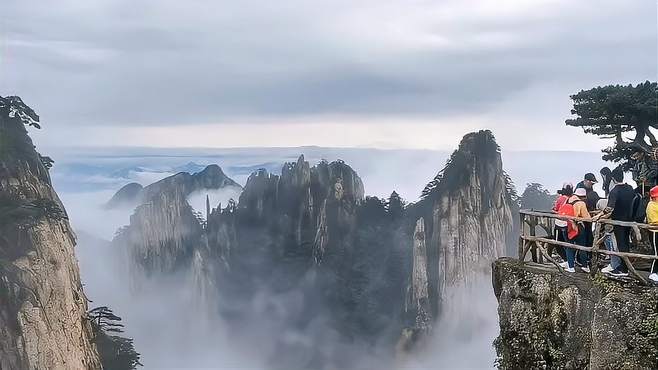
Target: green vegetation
[116,352]
[536,197]
[614,110]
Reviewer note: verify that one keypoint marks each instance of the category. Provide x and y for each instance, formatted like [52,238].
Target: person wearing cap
[580,210]
[565,193]
[592,196]
[652,219]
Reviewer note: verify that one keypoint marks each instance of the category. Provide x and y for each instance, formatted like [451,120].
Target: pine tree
[614,110]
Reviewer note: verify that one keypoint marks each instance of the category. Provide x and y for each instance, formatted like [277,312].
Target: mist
[173,328]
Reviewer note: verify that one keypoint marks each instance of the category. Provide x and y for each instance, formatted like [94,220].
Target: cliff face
[42,305]
[552,320]
[162,234]
[467,215]
[165,234]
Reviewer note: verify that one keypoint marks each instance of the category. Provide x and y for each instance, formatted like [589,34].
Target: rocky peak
[128,195]
[13,107]
[467,210]
[339,181]
[211,177]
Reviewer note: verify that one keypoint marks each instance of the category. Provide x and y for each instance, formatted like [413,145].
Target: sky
[381,74]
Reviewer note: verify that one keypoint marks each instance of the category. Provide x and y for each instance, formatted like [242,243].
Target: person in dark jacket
[591,199]
[592,196]
[620,208]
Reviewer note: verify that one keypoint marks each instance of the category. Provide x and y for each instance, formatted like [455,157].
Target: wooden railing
[541,247]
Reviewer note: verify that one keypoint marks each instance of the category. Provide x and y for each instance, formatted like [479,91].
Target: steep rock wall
[42,306]
[467,213]
[572,321]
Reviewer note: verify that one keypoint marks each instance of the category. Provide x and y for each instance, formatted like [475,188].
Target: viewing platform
[537,243]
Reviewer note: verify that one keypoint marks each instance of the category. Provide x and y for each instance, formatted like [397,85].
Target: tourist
[619,208]
[591,199]
[592,196]
[580,210]
[560,230]
[652,219]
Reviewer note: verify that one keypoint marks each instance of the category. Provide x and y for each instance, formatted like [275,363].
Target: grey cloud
[166,62]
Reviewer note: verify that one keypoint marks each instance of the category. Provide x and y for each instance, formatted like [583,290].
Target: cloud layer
[172,63]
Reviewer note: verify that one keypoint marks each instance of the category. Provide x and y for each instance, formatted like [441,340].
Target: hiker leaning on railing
[604,239]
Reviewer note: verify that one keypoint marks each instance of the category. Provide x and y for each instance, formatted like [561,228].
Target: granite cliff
[463,223]
[550,320]
[43,308]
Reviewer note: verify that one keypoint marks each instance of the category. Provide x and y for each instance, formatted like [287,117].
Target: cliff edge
[553,320]
[42,305]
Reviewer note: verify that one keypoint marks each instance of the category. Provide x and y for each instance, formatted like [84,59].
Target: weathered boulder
[553,320]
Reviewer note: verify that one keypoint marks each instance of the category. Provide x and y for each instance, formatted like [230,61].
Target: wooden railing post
[541,246]
[533,225]
[594,261]
[521,241]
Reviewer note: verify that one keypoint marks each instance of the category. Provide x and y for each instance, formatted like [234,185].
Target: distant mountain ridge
[211,177]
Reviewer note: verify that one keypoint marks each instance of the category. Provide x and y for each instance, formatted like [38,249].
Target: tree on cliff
[116,352]
[614,110]
[536,197]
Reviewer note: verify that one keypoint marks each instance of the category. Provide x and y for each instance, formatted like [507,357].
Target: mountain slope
[42,306]
[467,214]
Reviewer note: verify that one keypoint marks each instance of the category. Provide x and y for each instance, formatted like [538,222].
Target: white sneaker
[585,269]
[570,269]
[564,264]
[653,277]
[607,269]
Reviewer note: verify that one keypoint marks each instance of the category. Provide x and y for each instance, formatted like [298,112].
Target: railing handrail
[534,242]
[551,214]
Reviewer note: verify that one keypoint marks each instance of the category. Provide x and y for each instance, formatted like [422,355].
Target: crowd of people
[621,202]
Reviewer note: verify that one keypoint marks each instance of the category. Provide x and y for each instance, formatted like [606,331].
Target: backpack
[639,208]
[567,210]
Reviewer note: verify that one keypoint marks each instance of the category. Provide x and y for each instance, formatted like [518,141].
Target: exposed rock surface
[558,321]
[420,293]
[467,213]
[42,306]
[163,233]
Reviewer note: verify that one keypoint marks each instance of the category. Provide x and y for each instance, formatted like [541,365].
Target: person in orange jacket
[577,234]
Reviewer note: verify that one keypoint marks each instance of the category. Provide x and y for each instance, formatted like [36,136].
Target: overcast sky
[384,73]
